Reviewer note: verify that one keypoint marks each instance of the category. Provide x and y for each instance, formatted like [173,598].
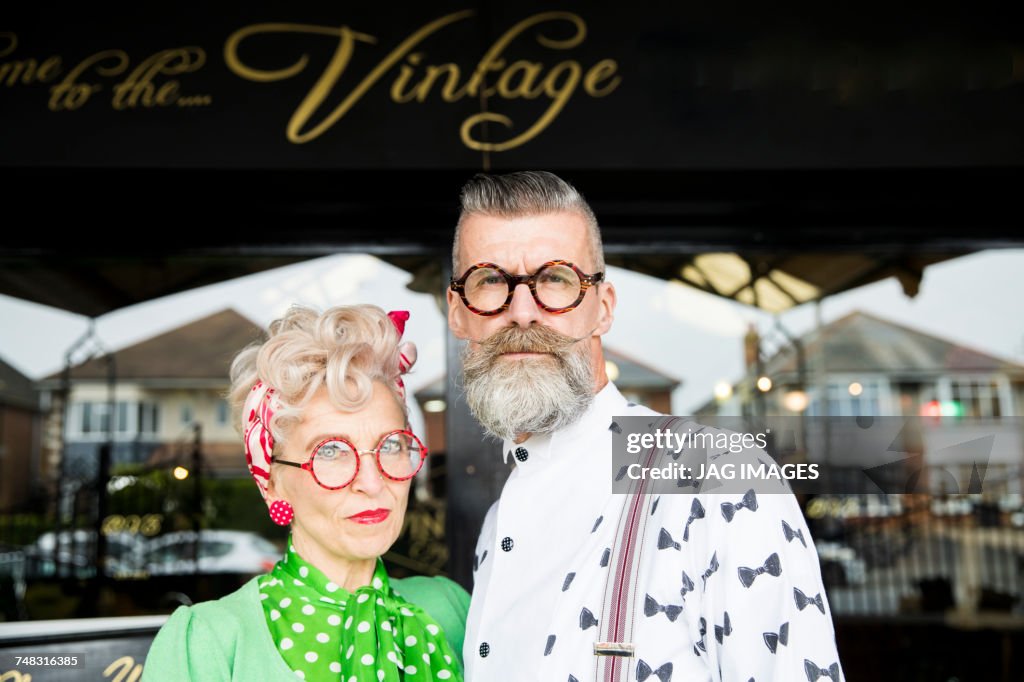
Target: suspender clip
[623,649]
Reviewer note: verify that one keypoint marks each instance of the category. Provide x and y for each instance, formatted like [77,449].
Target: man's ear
[606,300]
[456,316]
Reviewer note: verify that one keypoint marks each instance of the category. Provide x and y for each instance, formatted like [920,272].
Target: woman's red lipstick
[370,516]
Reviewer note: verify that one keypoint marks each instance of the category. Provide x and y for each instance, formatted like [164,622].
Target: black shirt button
[506,544]
[485,649]
[522,455]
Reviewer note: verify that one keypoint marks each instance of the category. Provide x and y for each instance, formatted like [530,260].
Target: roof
[199,350]
[16,389]
[633,375]
[861,342]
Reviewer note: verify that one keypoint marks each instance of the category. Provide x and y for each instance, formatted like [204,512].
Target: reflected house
[165,386]
[874,366]
[19,437]
[861,364]
[914,553]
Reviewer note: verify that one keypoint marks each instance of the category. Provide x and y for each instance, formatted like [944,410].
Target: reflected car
[220,551]
[952,506]
[72,553]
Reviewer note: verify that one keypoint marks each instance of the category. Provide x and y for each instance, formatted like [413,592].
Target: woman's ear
[273,491]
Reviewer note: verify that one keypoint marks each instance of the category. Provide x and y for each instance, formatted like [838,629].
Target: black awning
[94,240]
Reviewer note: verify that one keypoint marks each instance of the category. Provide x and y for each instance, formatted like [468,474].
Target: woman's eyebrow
[315,440]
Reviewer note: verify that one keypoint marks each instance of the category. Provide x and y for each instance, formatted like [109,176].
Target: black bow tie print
[622,472]
[687,585]
[749,501]
[814,672]
[665,541]
[687,483]
[724,630]
[643,671]
[477,560]
[568,580]
[696,512]
[802,600]
[788,531]
[772,566]
[711,569]
[703,633]
[774,639]
[587,618]
[652,607]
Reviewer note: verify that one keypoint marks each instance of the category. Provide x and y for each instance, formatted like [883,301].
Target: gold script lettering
[15,676]
[129,670]
[603,70]
[25,71]
[559,96]
[530,71]
[559,92]
[12,43]
[70,94]
[491,62]
[419,93]
[414,79]
[404,74]
[138,88]
[327,80]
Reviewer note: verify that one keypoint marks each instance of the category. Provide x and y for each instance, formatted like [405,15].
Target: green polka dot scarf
[372,635]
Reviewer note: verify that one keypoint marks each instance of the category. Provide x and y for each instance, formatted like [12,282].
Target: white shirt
[542,561]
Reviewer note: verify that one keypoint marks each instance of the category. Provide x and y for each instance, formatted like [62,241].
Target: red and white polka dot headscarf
[261,404]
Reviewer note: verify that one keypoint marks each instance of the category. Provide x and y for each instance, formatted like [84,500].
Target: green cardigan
[228,638]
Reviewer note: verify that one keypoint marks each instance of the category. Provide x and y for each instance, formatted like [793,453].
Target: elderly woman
[328,443]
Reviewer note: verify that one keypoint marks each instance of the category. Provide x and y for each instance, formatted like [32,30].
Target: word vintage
[414,79]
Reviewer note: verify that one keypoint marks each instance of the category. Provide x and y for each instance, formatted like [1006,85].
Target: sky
[975,300]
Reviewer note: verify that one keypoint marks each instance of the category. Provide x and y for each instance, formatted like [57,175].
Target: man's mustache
[535,339]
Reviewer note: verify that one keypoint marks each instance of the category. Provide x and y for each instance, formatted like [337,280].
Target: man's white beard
[513,396]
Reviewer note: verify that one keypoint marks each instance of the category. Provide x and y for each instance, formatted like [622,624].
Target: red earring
[281,513]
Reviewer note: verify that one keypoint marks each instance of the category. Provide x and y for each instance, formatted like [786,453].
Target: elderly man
[531,298]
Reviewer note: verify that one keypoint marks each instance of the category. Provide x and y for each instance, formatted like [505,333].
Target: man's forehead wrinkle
[506,244]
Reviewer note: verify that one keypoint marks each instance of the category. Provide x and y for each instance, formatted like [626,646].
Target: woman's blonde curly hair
[344,349]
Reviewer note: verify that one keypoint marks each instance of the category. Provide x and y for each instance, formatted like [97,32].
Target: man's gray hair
[526,193]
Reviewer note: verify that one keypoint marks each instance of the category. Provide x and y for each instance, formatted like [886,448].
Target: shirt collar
[606,404]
